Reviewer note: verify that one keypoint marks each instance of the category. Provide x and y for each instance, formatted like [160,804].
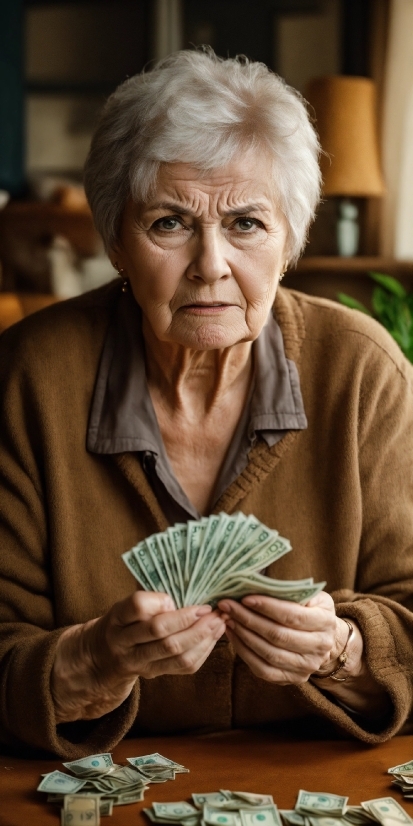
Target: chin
[208,337]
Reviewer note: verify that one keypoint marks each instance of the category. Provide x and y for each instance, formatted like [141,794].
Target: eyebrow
[180,210]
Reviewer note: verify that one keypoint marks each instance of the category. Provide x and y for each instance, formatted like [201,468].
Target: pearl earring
[282,274]
[125,282]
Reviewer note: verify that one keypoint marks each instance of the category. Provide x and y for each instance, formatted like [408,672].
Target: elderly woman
[195,385]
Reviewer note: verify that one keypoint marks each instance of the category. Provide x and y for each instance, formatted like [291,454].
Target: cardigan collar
[122,417]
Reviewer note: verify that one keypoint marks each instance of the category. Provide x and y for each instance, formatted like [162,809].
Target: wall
[308,45]
[74,45]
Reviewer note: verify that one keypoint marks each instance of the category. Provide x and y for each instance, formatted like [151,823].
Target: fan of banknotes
[217,556]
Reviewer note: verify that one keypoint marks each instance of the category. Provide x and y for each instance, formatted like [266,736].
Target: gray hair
[197,108]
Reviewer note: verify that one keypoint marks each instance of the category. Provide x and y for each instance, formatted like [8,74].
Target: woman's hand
[284,642]
[97,663]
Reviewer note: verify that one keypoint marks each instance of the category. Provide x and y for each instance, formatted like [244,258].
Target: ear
[114,256]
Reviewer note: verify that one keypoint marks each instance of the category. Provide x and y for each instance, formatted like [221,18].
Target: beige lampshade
[345,109]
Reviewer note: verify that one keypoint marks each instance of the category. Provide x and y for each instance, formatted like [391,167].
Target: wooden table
[247,761]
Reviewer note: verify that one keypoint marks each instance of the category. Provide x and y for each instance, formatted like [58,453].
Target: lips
[209,304]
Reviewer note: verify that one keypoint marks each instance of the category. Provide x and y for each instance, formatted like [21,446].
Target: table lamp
[346,123]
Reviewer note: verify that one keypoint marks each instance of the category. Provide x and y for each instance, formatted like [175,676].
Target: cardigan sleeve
[28,632]
[382,603]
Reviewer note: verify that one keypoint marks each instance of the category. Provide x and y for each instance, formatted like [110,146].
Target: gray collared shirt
[123,418]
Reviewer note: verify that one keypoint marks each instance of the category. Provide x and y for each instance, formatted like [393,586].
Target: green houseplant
[392,307]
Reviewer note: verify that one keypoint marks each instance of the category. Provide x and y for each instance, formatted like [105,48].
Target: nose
[209,262]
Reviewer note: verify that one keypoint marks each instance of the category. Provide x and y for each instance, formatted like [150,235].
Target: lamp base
[348,231]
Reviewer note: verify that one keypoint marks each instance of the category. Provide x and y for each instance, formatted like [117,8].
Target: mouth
[207,307]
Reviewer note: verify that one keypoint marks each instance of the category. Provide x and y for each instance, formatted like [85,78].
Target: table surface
[237,760]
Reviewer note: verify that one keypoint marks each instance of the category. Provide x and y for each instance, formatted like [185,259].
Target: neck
[179,375]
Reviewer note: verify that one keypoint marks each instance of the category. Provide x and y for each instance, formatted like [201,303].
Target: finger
[287,639]
[131,660]
[308,657]
[319,599]
[141,606]
[166,624]
[289,614]
[257,665]
[188,663]
[200,633]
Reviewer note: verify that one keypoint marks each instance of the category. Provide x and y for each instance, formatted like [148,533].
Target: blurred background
[60,60]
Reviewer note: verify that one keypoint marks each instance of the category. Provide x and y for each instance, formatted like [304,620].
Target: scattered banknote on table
[403,778]
[225,808]
[217,556]
[99,784]
[96,785]
[222,808]
[80,809]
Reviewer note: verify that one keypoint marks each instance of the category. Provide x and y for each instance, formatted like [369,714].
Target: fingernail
[224,606]
[203,610]
[249,601]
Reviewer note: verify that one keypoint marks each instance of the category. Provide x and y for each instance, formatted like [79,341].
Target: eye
[247,224]
[168,224]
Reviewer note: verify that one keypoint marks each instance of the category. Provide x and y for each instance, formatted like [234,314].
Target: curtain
[397,136]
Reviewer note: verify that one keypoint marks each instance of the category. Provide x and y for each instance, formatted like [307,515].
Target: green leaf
[352,303]
[404,327]
[409,353]
[400,341]
[391,284]
[381,303]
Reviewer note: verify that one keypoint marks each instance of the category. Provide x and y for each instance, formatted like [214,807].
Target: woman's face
[204,254]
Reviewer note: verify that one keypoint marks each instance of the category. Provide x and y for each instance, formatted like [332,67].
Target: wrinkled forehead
[244,183]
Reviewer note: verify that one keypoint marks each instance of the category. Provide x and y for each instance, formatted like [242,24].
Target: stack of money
[322,809]
[403,778]
[225,808]
[311,806]
[99,783]
[217,556]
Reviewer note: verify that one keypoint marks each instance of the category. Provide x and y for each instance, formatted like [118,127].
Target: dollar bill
[291,817]
[218,556]
[125,798]
[253,799]
[95,764]
[174,811]
[388,808]
[218,817]
[214,799]
[80,809]
[60,782]
[402,768]
[232,801]
[260,816]
[357,815]
[192,820]
[155,761]
[321,803]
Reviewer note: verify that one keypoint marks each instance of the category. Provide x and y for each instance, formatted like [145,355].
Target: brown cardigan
[341,491]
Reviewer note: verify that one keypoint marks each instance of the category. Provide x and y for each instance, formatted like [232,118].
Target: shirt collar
[122,417]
